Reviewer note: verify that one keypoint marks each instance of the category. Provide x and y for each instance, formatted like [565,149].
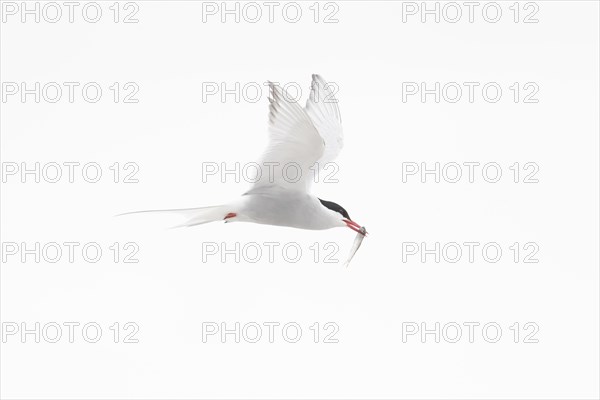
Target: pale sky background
[171,132]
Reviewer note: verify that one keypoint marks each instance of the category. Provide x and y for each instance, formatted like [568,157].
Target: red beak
[353,225]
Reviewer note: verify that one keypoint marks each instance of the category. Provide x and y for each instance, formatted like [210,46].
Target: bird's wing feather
[322,108]
[294,144]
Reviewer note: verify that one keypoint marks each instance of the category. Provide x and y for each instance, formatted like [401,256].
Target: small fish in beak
[362,232]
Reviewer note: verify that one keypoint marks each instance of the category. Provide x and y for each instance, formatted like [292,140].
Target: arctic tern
[305,137]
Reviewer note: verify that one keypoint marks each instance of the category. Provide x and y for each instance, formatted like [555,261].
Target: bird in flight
[304,137]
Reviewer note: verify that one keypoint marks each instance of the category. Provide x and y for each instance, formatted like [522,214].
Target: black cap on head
[336,207]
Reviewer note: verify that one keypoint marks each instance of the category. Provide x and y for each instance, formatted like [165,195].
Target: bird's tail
[193,216]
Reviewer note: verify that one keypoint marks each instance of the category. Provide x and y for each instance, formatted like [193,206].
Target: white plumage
[304,138]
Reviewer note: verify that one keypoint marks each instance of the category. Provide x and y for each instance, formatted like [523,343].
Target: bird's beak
[353,225]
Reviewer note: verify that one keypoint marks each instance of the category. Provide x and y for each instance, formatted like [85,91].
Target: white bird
[304,137]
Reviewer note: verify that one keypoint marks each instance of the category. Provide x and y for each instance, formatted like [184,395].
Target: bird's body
[302,137]
[275,205]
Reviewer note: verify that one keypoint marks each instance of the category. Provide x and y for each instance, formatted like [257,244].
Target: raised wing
[322,108]
[294,145]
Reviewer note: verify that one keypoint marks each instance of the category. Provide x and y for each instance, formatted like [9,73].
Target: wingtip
[273,88]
